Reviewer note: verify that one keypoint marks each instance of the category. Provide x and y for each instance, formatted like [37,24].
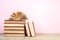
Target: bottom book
[15,35]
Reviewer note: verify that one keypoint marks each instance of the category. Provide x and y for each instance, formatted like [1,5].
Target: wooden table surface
[38,37]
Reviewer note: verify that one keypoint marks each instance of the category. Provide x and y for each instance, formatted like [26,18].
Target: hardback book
[14,35]
[14,31]
[14,28]
[14,22]
[27,29]
[32,29]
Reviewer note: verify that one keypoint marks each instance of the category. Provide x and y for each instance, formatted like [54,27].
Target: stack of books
[14,28]
[17,25]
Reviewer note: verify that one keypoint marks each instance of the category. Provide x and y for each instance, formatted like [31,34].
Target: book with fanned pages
[14,28]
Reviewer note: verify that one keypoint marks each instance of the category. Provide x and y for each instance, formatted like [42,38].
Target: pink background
[45,13]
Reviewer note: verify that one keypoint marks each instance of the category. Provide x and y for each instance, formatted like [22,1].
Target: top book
[14,22]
